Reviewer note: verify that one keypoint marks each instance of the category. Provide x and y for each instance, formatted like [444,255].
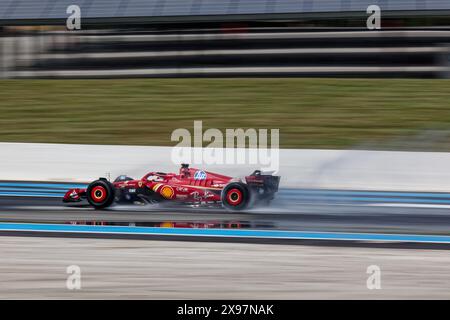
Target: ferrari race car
[191,186]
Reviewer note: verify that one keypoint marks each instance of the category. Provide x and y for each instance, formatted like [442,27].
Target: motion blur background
[138,69]
[399,103]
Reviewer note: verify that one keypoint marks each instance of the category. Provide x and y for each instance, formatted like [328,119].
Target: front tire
[100,194]
[236,196]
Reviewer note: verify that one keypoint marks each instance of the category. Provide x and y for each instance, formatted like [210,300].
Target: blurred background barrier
[354,53]
[305,168]
[172,38]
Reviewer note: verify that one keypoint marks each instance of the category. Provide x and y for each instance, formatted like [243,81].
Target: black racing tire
[100,194]
[236,196]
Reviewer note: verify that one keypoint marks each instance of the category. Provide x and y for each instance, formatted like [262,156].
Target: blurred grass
[311,113]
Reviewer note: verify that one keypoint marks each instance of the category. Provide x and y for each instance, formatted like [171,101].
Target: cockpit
[122,178]
[156,176]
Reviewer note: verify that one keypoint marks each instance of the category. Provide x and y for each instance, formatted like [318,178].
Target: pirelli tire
[236,196]
[100,194]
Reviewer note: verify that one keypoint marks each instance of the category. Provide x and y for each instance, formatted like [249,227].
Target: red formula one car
[191,186]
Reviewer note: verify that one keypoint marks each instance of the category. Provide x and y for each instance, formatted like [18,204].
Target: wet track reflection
[182,224]
[304,217]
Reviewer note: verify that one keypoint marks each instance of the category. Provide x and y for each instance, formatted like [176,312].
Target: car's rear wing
[268,182]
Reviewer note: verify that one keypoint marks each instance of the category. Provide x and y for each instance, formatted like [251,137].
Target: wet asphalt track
[301,216]
[35,268]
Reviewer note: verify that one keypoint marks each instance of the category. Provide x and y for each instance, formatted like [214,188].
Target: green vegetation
[311,113]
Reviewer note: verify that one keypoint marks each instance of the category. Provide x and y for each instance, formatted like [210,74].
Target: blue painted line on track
[36,189]
[31,194]
[39,190]
[367,199]
[239,233]
[295,192]
[42,185]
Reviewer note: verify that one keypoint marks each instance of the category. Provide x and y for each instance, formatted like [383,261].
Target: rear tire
[100,194]
[236,196]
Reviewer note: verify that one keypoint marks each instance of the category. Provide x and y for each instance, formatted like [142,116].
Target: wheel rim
[98,194]
[234,197]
